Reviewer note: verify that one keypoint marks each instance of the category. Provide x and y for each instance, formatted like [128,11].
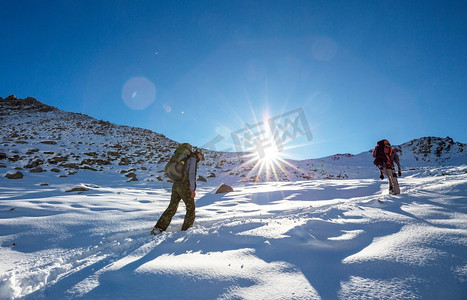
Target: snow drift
[78,226]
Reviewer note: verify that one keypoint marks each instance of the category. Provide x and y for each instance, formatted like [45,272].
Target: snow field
[320,239]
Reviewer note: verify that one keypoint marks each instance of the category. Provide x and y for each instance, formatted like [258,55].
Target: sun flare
[269,164]
[271,154]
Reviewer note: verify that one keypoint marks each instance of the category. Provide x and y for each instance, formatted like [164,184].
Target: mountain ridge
[37,137]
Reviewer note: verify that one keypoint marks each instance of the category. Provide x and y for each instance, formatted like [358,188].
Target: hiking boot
[156,231]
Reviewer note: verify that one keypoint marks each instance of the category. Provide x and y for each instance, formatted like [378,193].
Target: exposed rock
[78,189]
[201,178]
[124,161]
[2,165]
[70,165]
[3,155]
[89,168]
[55,170]
[132,176]
[113,153]
[32,151]
[159,178]
[11,98]
[37,170]
[211,175]
[34,163]
[27,104]
[48,142]
[162,160]
[97,161]
[339,156]
[17,175]
[224,189]
[44,184]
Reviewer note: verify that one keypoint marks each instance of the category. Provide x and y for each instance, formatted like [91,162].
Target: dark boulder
[78,189]
[11,98]
[37,170]
[131,176]
[17,175]
[224,189]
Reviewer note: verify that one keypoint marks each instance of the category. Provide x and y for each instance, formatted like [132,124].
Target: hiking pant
[393,183]
[180,191]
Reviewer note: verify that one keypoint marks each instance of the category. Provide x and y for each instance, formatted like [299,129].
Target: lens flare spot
[138,93]
[167,108]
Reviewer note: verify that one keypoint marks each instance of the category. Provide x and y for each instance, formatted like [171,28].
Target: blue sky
[358,71]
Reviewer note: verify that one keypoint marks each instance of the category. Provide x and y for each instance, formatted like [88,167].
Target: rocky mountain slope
[37,138]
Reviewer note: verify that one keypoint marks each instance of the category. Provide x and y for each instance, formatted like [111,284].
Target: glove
[381,176]
[192,194]
[399,173]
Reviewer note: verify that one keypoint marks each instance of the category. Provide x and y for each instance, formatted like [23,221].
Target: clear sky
[349,72]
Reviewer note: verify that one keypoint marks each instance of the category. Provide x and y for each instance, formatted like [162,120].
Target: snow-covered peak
[36,137]
[415,153]
[28,104]
[432,150]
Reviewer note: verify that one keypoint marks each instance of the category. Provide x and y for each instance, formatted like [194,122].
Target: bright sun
[268,164]
[271,154]
[267,159]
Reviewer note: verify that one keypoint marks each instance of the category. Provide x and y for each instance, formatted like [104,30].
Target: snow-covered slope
[317,239]
[424,151]
[39,138]
[76,225]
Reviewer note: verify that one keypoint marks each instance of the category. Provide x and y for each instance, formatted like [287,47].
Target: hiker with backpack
[181,169]
[385,157]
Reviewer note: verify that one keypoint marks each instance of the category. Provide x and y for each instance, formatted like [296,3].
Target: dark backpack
[175,168]
[381,159]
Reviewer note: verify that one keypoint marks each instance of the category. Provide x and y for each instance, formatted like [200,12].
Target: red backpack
[381,157]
